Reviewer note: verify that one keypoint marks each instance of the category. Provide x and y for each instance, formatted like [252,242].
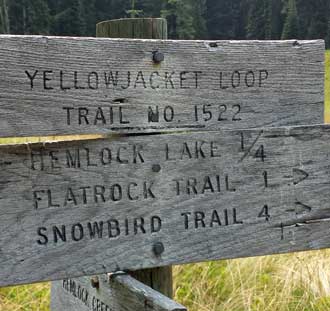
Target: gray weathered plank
[84,208]
[115,293]
[52,85]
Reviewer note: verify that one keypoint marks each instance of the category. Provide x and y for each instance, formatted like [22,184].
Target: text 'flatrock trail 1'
[51,85]
[83,208]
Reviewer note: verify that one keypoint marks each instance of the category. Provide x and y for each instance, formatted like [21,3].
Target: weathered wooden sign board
[52,85]
[114,292]
[84,208]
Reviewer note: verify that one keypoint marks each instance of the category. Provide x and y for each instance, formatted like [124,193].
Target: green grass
[294,282]
[275,283]
[25,298]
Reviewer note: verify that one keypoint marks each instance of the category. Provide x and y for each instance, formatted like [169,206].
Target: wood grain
[133,28]
[161,278]
[83,208]
[66,86]
[115,293]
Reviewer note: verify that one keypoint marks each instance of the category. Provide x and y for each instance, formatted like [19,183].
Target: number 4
[260,154]
[264,213]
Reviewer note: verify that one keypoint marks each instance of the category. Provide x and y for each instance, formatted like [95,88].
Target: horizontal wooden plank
[84,208]
[118,292]
[60,86]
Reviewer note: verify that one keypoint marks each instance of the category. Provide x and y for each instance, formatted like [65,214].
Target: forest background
[187,19]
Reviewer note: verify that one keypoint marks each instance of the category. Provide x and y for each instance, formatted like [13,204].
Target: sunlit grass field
[299,282]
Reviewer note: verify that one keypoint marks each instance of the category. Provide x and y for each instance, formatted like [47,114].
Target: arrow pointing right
[304,207]
[300,208]
[299,176]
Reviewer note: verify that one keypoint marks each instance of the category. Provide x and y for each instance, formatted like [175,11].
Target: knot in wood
[95,282]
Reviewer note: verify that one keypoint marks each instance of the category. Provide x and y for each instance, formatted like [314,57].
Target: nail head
[158,57]
[158,248]
[156,168]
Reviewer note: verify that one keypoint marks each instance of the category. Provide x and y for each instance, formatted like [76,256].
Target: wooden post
[159,279]
[133,28]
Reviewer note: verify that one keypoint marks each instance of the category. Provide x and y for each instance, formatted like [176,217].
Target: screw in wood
[158,57]
[156,168]
[95,282]
[158,248]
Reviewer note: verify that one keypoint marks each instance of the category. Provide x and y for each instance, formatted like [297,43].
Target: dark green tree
[111,9]
[4,17]
[276,19]
[134,11]
[327,38]
[291,24]
[152,8]
[29,17]
[179,14]
[37,17]
[258,19]
[199,22]
[222,19]
[88,17]
[69,21]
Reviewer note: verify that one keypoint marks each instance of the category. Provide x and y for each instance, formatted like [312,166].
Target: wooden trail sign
[56,86]
[83,208]
[114,292]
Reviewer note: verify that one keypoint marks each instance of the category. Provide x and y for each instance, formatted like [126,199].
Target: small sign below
[114,292]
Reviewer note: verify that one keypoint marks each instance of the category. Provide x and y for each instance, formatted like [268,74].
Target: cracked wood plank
[117,292]
[127,203]
[66,86]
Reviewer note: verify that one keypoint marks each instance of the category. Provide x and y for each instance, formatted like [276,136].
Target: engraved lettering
[95,230]
[156,224]
[182,79]
[236,79]
[152,83]
[100,117]
[113,228]
[46,79]
[140,80]
[68,114]
[83,114]
[31,77]
[263,76]
[37,198]
[102,229]
[59,234]
[44,237]
[76,82]
[62,85]
[93,80]
[73,161]
[128,81]
[77,232]
[153,115]
[250,79]
[168,79]
[211,219]
[111,79]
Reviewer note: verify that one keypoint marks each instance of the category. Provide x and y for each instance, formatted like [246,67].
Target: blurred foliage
[187,19]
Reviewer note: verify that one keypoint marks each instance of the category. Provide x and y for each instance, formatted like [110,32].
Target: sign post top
[144,28]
